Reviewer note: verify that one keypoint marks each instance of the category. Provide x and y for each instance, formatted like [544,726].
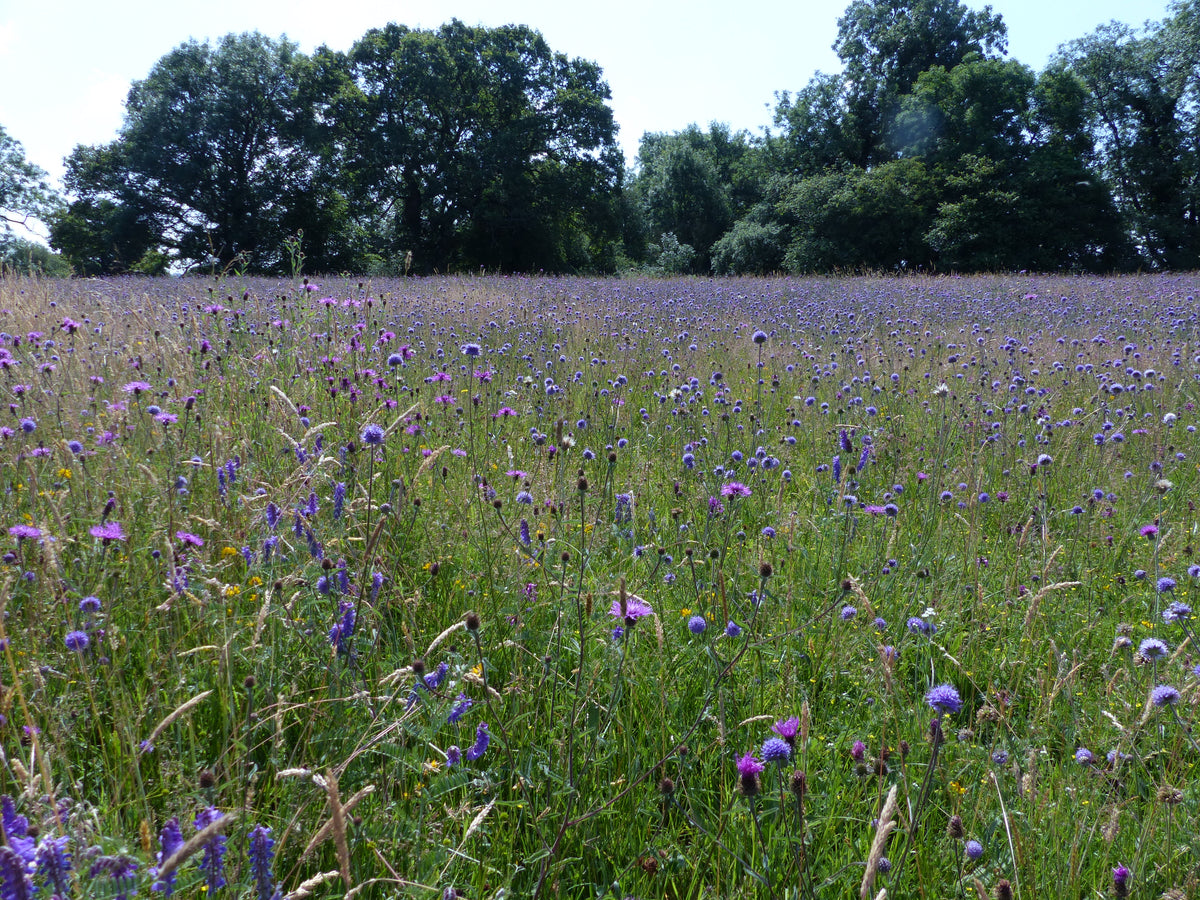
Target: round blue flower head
[776,749]
[1164,695]
[1177,612]
[944,698]
[77,641]
[697,624]
[1152,649]
[372,434]
[974,849]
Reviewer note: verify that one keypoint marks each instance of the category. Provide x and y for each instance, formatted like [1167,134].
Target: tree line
[466,148]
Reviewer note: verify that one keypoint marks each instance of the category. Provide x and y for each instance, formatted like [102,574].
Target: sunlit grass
[518,635]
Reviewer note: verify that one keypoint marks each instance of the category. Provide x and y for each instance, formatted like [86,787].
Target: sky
[66,65]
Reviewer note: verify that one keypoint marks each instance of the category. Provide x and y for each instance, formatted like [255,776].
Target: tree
[886,44]
[25,193]
[476,147]
[212,160]
[816,130]
[1003,149]
[855,219]
[694,184]
[1143,92]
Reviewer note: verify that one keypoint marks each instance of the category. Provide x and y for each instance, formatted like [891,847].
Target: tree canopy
[464,147]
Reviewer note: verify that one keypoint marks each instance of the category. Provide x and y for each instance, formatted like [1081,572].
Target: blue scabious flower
[372,435]
[733,629]
[944,698]
[77,641]
[777,750]
[1177,612]
[212,862]
[1164,695]
[1153,649]
[917,625]
[262,852]
[697,624]
[482,738]
[1084,756]
[170,839]
[1165,585]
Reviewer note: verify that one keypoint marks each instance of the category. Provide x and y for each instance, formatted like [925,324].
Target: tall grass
[483,587]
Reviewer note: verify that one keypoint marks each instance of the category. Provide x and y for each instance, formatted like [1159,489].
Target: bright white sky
[66,65]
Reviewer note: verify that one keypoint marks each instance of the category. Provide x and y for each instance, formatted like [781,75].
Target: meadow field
[482,587]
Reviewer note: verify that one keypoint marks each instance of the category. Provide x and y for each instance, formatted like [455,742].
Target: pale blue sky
[66,65]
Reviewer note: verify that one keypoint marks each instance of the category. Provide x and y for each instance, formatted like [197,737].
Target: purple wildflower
[461,705]
[787,729]
[170,840]
[482,738]
[776,750]
[212,863]
[1164,695]
[188,539]
[108,531]
[261,853]
[944,698]
[77,641]
[14,876]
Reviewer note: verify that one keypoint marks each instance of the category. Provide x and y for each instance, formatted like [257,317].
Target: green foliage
[885,45]
[474,147]
[749,248]
[24,191]
[29,258]
[671,257]
[1142,91]
[856,219]
[695,184]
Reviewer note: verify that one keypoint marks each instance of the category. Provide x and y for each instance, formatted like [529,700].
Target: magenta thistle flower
[108,531]
[735,489]
[787,728]
[635,608]
[748,768]
[189,539]
[749,765]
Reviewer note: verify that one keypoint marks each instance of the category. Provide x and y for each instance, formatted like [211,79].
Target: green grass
[611,764]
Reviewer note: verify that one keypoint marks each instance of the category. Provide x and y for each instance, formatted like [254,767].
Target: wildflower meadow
[481,587]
